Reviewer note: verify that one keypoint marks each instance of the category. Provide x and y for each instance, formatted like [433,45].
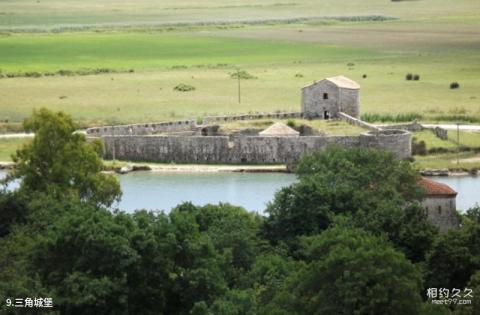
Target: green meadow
[147,48]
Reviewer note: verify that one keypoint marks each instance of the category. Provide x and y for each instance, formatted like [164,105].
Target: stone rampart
[246,149]
[143,129]
[412,126]
[357,122]
[215,119]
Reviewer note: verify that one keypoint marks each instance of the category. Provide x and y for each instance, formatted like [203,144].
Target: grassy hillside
[78,13]
[438,40]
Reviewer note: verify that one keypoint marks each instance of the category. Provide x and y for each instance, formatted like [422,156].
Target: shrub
[244,75]
[298,75]
[454,85]
[291,123]
[184,88]
[391,118]
[65,72]
[409,77]
[416,77]
[419,148]
[464,118]
[364,76]
[33,74]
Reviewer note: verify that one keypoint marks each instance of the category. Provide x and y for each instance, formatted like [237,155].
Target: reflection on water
[162,191]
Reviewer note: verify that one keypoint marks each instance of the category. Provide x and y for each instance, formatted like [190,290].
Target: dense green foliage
[348,238]
[370,187]
[61,163]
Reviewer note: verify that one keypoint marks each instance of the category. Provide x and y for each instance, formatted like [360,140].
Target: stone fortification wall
[413,126]
[397,141]
[357,122]
[143,129]
[247,149]
[215,119]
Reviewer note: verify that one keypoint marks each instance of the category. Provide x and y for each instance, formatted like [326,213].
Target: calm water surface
[162,191]
[165,190]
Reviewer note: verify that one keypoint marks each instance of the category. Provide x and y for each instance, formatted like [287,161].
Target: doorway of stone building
[326,114]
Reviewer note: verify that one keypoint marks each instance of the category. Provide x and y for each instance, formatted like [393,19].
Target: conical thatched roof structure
[279,130]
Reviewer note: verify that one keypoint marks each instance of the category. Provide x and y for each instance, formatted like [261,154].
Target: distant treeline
[62,72]
[218,24]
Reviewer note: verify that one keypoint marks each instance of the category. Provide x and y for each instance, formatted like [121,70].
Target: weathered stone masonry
[248,149]
[336,97]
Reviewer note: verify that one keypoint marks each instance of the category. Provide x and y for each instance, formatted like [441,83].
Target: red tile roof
[434,188]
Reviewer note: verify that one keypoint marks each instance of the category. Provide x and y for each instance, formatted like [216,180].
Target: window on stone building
[439,209]
[325,96]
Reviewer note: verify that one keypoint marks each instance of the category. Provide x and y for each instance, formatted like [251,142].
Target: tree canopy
[61,163]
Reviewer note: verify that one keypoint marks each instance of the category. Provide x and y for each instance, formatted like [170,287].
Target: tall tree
[61,163]
[371,186]
[350,271]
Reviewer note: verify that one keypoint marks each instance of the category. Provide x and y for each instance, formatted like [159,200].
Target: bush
[364,76]
[244,75]
[184,88]
[454,85]
[419,148]
[299,75]
[407,117]
[33,74]
[416,77]
[409,77]
[291,123]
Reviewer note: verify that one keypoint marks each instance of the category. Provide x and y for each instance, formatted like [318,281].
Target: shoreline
[125,168]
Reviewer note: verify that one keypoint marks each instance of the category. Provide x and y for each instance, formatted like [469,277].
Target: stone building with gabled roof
[326,98]
[439,202]
[279,130]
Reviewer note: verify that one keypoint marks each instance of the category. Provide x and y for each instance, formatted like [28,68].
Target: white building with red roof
[440,203]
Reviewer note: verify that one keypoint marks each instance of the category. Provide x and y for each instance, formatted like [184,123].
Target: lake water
[165,190]
[162,191]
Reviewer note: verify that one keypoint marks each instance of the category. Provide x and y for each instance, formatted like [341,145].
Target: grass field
[9,146]
[59,13]
[439,40]
[467,161]
[328,127]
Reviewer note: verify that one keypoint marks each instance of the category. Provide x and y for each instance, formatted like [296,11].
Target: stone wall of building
[143,129]
[441,211]
[349,102]
[245,149]
[314,105]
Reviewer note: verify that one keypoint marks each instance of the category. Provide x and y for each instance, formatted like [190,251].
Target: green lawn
[467,139]
[467,161]
[78,13]
[9,146]
[329,127]
[147,51]
[439,40]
